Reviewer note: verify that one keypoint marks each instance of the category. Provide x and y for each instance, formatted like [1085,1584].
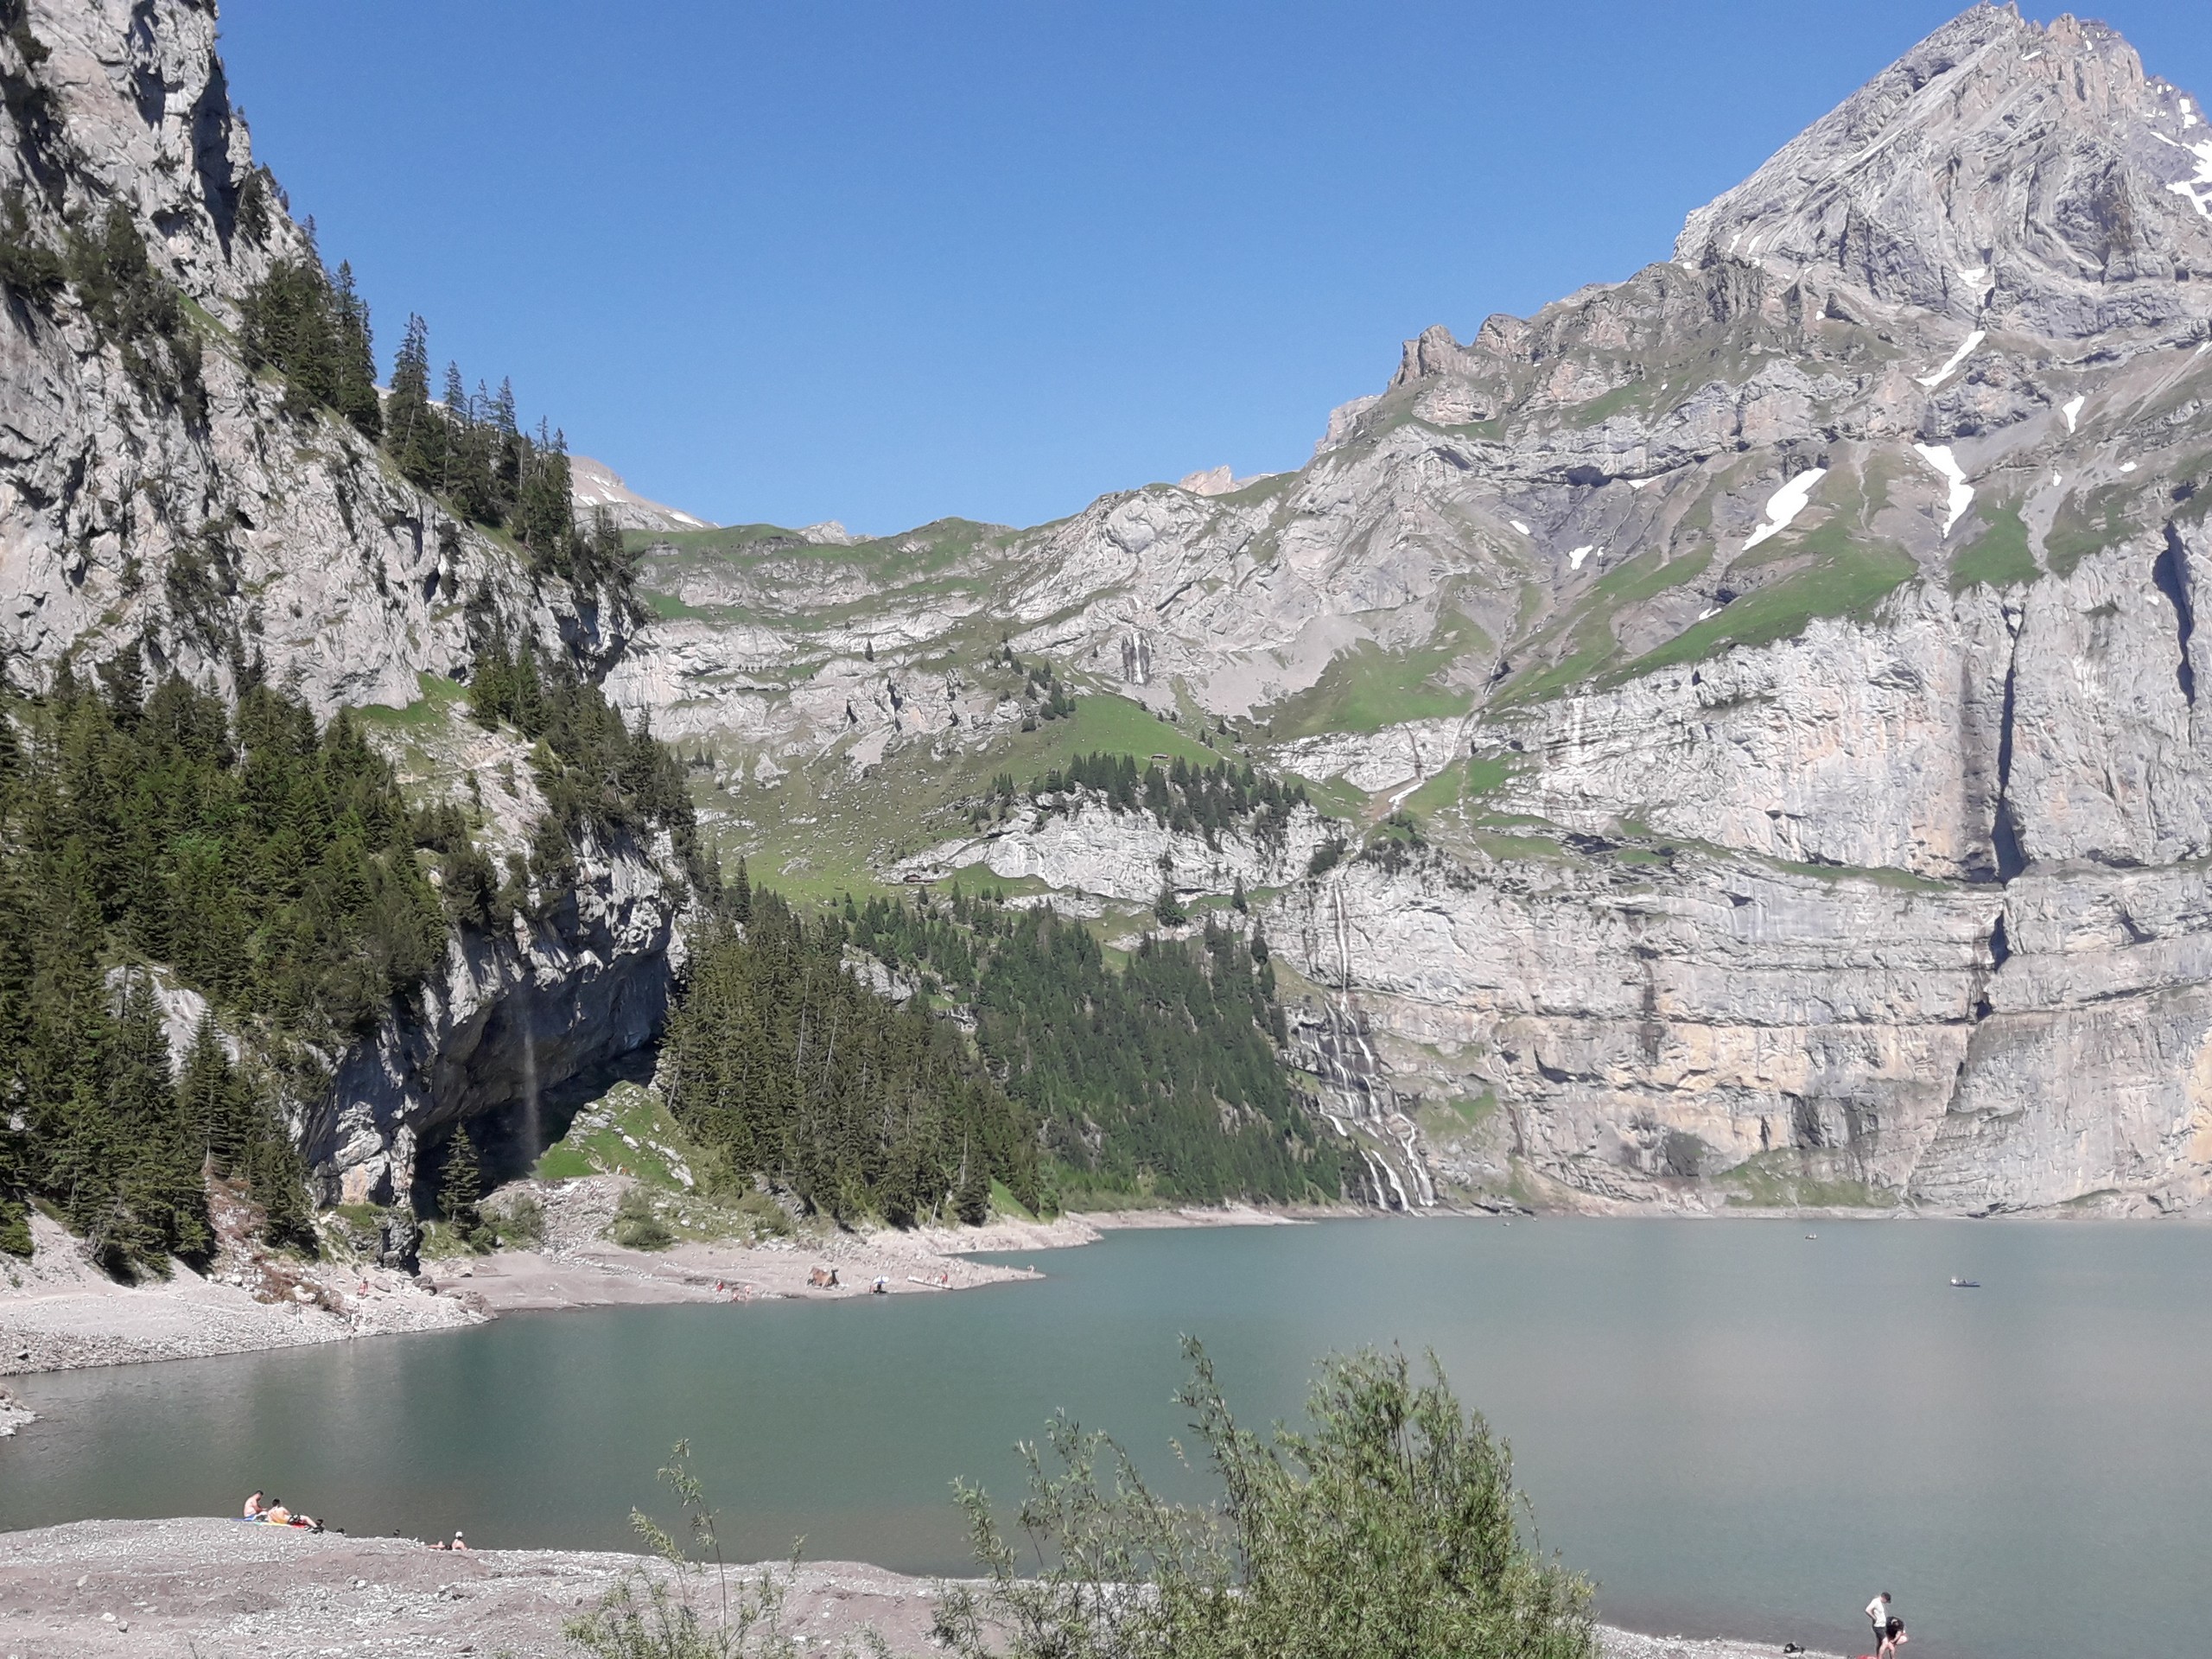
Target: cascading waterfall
[1353,1097]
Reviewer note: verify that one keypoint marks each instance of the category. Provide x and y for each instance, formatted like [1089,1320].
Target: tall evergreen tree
[413,433]
[355,396]
[545,519]
[460,1186]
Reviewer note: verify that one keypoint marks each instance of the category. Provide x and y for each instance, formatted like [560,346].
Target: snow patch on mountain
[1785,504]
[1939,456]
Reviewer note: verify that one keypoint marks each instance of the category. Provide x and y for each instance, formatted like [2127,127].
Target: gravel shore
[190,1587]
[58,1312]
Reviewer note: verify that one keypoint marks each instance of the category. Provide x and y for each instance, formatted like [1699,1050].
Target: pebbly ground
[58,1312]
[193,1586]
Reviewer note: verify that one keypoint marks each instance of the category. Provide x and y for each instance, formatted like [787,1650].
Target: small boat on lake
[1966,1284]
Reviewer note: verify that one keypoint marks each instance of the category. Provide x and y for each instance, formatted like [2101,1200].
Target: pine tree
[355,393]
[452,479]
[207,1096]
[971,1199]
[278,1180]
[544,518]
[1167,907]
[413,433]
[460,1185]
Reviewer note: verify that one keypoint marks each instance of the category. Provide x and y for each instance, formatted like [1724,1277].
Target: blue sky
[890,260]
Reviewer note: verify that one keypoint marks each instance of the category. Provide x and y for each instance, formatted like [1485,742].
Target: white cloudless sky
[887,260]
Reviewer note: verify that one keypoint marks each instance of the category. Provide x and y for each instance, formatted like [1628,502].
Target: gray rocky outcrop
[1079,843]
[512,1017]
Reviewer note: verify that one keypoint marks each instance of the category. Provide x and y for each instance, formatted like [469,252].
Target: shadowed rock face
[211,535]
[1818,608]
[514,1021]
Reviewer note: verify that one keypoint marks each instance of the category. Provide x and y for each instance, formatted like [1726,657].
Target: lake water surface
[1733,1428]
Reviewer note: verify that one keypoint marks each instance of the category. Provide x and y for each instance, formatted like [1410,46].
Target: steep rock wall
[213,529]
[512,1018]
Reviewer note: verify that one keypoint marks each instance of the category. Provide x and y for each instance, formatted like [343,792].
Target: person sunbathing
[252,1509]
[276,1515]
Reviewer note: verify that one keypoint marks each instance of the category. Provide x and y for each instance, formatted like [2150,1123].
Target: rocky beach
[214,1586]
[58,1312]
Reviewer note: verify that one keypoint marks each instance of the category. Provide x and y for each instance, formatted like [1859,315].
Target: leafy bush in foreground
[688,1606]
[1389,1529]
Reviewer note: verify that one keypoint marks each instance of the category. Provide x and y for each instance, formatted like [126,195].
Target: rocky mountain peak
[597,487]
[2001,172]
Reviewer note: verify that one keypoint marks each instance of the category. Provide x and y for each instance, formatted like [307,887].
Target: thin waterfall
[533,1131]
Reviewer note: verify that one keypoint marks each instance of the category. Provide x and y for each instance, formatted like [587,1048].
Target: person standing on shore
[1878,1615]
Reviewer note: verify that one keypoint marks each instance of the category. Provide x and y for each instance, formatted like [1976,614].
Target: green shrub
[15,1229]
[691,1606]
[765,1215]
[637,1226]
[1168,908]
[520,1222]
[1388,1528]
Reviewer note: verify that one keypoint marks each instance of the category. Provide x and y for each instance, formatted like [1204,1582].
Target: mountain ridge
[1787,656]
[1745,715]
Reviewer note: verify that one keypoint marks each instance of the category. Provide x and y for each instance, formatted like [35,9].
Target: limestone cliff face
[127,515]
[1795,657]
[514,1017]
[212,529]
[1078,842]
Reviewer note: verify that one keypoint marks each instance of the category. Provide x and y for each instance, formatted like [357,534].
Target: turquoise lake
[1732,1427]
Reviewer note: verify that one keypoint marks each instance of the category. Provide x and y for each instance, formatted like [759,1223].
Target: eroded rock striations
[1791,652]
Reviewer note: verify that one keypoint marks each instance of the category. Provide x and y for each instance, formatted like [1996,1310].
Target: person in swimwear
[252,1509]
[276,1515]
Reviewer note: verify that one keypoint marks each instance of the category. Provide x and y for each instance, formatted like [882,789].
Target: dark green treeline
[1188,799]
[596,774]
[271,862]
[1159,1077]
[781,1061]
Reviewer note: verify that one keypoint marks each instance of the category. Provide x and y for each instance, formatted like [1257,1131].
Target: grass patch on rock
[627,1131]
[1847,578]
[1588,628]
[1369,687]
[1780,1180]
[1999,557]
